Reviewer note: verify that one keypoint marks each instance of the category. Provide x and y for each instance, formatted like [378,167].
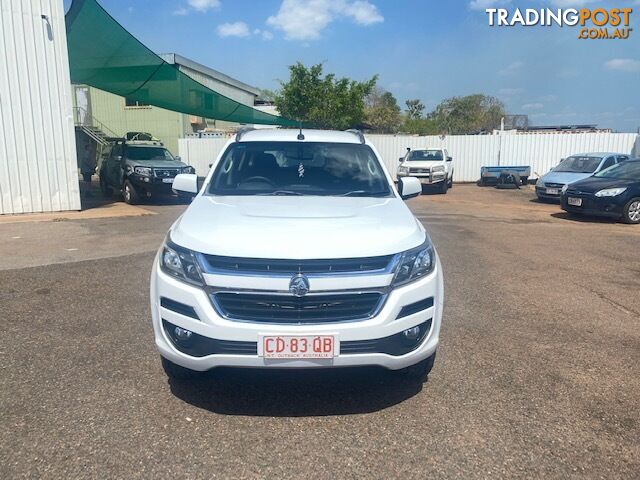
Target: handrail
[92,121]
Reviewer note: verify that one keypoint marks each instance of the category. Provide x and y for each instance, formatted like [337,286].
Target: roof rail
[242,131]
[358,133]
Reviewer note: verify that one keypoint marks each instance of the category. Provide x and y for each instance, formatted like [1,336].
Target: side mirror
[186,183]
[449,159]
[409,187]
[177,159]
[401,159]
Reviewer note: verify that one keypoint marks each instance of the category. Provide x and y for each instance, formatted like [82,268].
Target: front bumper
[611,207]
[427,179]
[226,332]
[152,185]
[541,192]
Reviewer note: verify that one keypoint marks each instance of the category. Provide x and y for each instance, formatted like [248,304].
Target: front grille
[165,172]
[287,309]
[277,266]
[419,170]
[554,185]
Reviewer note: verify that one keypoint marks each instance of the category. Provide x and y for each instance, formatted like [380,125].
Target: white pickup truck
[432,166]
[297,252]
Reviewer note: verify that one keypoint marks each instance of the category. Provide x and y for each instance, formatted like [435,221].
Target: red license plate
[298,346]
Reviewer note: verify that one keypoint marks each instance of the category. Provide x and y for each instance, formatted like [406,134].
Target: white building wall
[38,166]
[469,152]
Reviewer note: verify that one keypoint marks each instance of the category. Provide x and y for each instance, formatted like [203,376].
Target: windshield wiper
[364,193]
[281,192]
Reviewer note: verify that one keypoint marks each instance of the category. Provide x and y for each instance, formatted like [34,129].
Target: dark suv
[140,169]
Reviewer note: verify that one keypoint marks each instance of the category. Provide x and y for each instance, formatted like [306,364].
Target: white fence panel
[469,152]
[544,152]
[200,152]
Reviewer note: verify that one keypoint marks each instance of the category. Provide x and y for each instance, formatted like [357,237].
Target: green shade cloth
[106,56]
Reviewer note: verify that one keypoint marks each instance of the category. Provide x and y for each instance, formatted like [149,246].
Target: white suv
[432,166]
[297,252]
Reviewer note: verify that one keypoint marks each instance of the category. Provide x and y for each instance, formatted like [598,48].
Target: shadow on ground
[572,217]
[280,393]
[93,198]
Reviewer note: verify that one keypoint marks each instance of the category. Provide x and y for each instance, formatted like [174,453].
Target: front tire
[176,372]
[420,371]
[444,187]
[631,212]
[129,193]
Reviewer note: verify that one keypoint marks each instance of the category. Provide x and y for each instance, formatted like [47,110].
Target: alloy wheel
[634,211]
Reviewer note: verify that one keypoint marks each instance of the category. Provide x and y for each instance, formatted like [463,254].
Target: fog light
[182,334]
[412,333]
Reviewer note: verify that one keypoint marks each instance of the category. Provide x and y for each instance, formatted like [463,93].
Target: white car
[297,252]
[432,166]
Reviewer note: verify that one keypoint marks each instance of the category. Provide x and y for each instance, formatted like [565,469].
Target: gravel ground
[537,374]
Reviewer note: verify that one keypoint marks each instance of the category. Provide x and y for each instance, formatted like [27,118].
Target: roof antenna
[300,135]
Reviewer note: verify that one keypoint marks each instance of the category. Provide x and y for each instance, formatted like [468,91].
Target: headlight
[180,263]
[188,170]
[414,263]
[403,170]
[144,171]
[438,168]
[564,188]
[611,192]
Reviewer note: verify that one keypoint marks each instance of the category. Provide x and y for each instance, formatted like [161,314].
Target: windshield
[578,164]
[290,168]
[622,171]
[425,155]
[148,153]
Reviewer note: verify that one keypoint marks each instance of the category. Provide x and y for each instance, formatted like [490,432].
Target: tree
[382,112]
[420,126]
[415,108]
[322,101]
[470,114]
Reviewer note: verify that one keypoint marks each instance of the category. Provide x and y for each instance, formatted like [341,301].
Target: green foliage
[470,114]
[382,112]
[267,95]
[420,126]
[322,101]
[415,109]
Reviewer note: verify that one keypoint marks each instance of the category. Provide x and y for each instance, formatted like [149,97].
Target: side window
[622,158]
[609,162]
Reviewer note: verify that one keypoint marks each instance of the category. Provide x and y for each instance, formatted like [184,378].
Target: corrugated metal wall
[38,167]
[469,152]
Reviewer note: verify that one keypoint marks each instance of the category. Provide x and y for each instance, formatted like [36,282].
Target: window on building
[129,102]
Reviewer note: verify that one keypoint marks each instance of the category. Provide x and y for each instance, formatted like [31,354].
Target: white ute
[297,252]
[432,166]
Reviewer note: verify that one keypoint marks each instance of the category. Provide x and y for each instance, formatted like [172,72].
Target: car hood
[157,163]
[564,177]
[297,227]
[595,184]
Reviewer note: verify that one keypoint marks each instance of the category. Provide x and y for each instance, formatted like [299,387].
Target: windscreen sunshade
[104,55]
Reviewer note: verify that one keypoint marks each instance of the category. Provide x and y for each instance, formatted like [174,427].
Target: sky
[429,50]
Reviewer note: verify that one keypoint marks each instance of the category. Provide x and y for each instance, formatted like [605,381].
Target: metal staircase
[92,127]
